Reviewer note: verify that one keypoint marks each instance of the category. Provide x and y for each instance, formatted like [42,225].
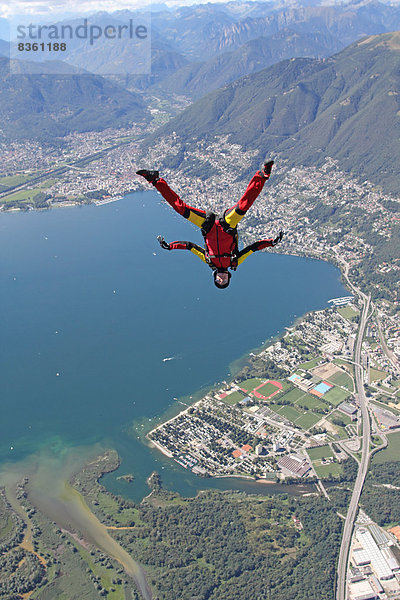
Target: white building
[373,553]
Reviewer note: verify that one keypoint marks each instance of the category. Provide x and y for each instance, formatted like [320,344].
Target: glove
[150,176]
[278,238]
[268,168]
[163,243]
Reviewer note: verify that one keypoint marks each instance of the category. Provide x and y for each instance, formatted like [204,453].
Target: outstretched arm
[194,248]
[260,245]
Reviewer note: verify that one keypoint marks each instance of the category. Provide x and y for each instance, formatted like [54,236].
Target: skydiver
[221,251]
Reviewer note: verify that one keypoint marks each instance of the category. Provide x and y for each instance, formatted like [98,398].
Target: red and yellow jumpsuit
[221,241]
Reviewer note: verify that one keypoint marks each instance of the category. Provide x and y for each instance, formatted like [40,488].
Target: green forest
[229,545]
[382,503]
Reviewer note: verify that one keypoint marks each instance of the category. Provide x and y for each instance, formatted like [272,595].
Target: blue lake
[89,308]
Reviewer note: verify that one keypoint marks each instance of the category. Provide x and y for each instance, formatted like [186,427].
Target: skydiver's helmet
[222,278]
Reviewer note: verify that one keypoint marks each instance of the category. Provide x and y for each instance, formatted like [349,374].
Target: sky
[64,8]
[57,7]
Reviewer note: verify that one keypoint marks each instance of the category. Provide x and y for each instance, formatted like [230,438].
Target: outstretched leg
[194,215]
[234,215]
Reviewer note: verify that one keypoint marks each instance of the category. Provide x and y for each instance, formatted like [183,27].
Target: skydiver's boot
[266,171]
[150,176]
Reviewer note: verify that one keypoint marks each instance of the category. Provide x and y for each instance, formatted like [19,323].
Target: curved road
[363,468]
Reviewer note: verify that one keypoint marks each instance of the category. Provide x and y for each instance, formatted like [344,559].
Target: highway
[363,467]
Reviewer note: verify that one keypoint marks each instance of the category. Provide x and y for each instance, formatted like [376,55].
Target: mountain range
[46,106]
[223,41]
[346,107]
[197,79]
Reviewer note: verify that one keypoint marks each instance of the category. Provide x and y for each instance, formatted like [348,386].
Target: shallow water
[49,491]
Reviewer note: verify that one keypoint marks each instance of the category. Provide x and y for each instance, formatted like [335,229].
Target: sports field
[343,379]
[331,470]
[335,396]
[289,412]
[300,407]
[293,395]
[268,389]
[250,384]
[320,452]
[233,398]
[307,420]
[310,402]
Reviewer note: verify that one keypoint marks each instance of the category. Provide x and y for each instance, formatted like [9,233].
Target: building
[379,535]
[348,409]
[304,384]
[391,560]
[362,590]
[259,449]
[371,553]
[376,585]
[278,447]
[294,465]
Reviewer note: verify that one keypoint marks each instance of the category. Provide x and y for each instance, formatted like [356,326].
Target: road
[363,467]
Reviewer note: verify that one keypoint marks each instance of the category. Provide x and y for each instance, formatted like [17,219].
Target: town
[293,412]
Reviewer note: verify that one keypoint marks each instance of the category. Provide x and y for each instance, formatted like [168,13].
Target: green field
[342,379]
[347,312]
[320,452]
[289,413]
[28,194]
[375,375]
[6,182]
[308,420]
[335,396]
[339,415]
[268,389]
[331,470]
[310,402]
[250,384]
[233,398]
[293,395]
[341,433]
[392,452]
[345,365]
[310,364]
